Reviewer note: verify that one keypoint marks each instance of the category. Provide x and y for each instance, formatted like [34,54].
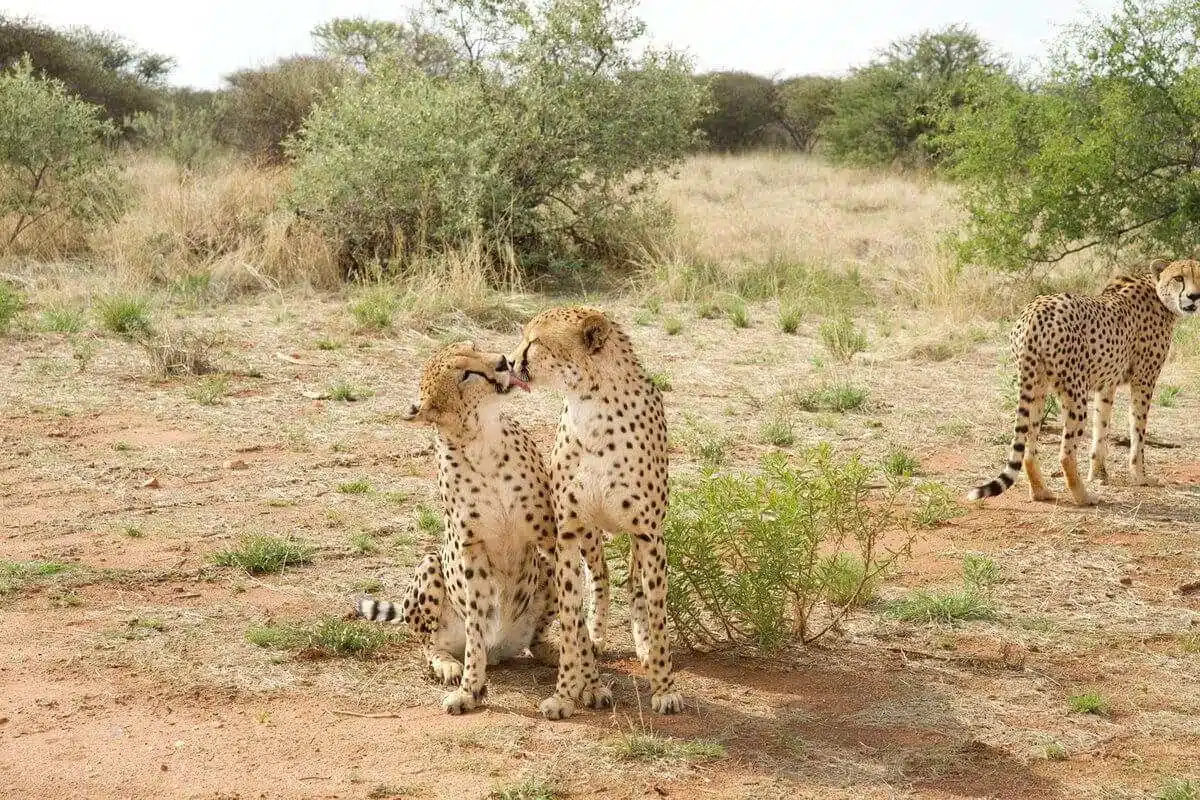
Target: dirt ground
[129,674]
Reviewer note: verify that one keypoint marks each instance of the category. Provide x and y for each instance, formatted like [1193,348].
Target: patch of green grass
[1054,752]
[935,504]
[979,571]
[1168,395]
[327,344]
[374,308]
[661,381]
[329,637]
[62,319]
[836,397]
[134,532]
[260,554]
[123,314]
[842,339]
[845,580]
[1088,703]
[364,543]
[643,318]
[15,574]
[900,463]
[739,315]
[1190,643]
[672,326]
[1179,789]
[706,442]
[529,789]
[708,310]
[790,318]
[924,605]
[430,521]
[357,486]
[652,303]
[138,628]
[347,393]
[779,432]
[934,351]
[11,304]
[648,747]
[209,389]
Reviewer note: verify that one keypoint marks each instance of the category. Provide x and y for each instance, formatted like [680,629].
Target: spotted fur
[488,593]
[609,474]
[1088,346]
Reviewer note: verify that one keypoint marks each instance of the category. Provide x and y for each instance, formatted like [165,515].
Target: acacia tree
[1103,151]
[359,42]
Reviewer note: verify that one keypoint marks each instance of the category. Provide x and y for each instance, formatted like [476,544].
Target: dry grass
[224,222]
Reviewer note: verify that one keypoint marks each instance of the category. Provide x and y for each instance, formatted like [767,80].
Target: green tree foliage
[743,106]
[265,106]
[359,42]
[183,130]
[1103,150]
[804,105]
[546,139]
[54,163]
[102,68]
[896,108]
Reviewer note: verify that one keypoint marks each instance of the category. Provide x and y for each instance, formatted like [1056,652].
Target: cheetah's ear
[595,329]
[1158,265]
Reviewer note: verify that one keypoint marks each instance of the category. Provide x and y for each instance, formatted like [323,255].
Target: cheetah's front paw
[597,697]
[667,702]
[447,670]
[460,701]
[555,707]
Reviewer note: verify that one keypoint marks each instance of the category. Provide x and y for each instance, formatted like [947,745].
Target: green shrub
[779,431]
[842,339]
[847,580]
[1089,703]
[11,304]
[899,463]
[789,319]
[743,106]
[547,143]
[123,314]
[59,319]
[805,104]
[838,397]
[672,326]
[187,134]
[266,106]
[748,553]
[738,314]
[55,168]
[375,307]
[943,606]
[979,571]
[1093,152]
[935,505]
[652,748]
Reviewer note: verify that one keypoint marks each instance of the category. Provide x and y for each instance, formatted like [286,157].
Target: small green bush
[357,486]
[789,319]
[59,319]
[11,304]
[842,339]
[748,554]
[779,432]
[672,326]
[942,606]
[739,315]
[124,314]
[899,463]
[328,638]
[375,307]
[979,571]
[1089,703]
[935,504]
[838,397]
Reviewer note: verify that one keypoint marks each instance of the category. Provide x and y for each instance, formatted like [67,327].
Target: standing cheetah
[1076,346]
[609,473]
[489,593]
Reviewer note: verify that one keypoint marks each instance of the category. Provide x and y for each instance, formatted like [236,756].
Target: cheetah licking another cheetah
[609,474]
[1076,346]
[489,593]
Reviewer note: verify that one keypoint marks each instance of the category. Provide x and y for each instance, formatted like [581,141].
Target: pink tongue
[515,381]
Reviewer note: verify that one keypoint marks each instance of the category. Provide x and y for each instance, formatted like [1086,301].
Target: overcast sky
[211,38]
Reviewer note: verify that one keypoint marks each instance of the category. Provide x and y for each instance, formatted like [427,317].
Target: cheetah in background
[1078,346]
[609,474]
[488,594]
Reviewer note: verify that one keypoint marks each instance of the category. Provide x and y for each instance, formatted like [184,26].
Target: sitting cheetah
[489,593]
[1079,345]
[609,473]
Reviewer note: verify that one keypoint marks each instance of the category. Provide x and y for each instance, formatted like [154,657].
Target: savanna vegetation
[214,303]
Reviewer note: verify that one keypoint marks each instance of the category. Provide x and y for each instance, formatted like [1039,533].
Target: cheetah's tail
[1016,453]
[381,610]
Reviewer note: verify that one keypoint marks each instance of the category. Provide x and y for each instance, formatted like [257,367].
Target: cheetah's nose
[503,365]
[1193,296]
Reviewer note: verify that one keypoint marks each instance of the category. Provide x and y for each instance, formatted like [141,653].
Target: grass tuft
[329,637]
[660,381]
[209,390]
[260,554]
[15,574]
[739,315]
[929,606]
[979,571]
[375,308]
[1168,395]
[779,432]
[1179,789]
[1089,703]
[357,486]
[789,319]
[529,789]
[430,521]
[62,319]
[842,339]
[899,463]
[648,747]
[935,504]
[836,397]
[11,304]
[846,582]
[347,393]
[672,326]
[123,314]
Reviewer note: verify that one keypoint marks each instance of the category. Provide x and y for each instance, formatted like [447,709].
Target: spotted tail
[1016,453]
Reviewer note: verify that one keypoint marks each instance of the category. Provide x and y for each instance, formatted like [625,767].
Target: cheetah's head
[457,382]
[1179,285]
[557,345]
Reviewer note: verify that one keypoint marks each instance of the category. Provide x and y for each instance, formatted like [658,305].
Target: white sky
[211,38]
